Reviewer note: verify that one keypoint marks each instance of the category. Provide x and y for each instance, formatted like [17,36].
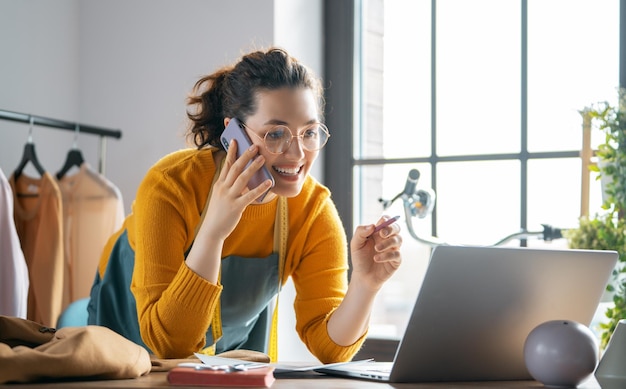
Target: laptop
[477,305]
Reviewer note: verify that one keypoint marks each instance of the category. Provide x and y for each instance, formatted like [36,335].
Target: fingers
[390,255]
[231,158]
[387,241]
[236,173]
[252,195]
[383,228]
[388,248]
[385,225]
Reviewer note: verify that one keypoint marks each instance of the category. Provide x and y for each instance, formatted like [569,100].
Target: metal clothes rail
[65,125]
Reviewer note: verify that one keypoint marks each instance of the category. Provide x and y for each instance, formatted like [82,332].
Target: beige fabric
[19,332]
[38,217]
[93,210]
[246,355]
[31,352]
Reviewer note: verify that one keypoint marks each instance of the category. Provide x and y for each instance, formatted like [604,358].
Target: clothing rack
[65,125]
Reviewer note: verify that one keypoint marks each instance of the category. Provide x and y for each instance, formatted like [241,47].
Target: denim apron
[248,309]
[246,315]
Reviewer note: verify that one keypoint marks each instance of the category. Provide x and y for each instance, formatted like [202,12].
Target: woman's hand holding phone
[243,179]
[231,193]
[229,198]
[235,130]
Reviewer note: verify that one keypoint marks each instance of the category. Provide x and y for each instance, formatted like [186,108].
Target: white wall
[141,58]
[129,65]
[38,66]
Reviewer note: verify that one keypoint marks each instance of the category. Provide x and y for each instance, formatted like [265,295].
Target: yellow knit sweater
[175,306]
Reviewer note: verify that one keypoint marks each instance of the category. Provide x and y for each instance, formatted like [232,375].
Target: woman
[199,260]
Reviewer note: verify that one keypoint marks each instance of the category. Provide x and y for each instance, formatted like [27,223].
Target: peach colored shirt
[38,220]
[93,210]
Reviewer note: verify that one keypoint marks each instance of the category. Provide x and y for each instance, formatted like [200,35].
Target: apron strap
[281,234]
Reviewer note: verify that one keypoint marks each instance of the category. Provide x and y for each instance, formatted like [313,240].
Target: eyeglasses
[278,139]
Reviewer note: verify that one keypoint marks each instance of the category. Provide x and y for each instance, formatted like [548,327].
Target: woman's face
[295,108]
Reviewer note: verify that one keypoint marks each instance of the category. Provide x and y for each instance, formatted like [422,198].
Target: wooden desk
[159,380]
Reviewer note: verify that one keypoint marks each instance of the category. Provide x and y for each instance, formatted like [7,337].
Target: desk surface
[159,380]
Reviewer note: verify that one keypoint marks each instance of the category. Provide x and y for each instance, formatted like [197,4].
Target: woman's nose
[295,149]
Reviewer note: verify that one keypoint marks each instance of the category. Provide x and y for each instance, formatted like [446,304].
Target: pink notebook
[259,378]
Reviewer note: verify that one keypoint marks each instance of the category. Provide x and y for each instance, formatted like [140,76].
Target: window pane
[478,202]
[553,192]
[573,61]
[478,76]
[407,86]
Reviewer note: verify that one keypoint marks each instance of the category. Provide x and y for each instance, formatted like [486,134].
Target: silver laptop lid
[477,305]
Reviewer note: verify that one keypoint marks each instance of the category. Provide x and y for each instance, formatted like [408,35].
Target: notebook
[477,305]
[190,376]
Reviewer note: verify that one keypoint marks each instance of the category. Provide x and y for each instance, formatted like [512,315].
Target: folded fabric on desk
[32,352]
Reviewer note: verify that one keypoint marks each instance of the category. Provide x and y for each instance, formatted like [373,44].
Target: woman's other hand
[375,255]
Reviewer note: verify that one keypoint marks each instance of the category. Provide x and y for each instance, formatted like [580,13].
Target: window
[482,97]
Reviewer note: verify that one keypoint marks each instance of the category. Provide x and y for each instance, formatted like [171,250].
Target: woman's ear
[226,121]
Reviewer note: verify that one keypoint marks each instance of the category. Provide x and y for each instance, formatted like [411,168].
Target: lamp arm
[409,205]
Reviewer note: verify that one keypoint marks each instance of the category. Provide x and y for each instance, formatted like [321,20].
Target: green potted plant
[607,230]
[611,121]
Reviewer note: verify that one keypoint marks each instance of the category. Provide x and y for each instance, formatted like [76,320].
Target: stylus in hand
[384,224]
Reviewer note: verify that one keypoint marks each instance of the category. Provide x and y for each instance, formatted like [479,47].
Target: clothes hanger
[29,155]
[74,156]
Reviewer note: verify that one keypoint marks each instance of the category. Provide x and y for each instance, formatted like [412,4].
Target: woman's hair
[232,91]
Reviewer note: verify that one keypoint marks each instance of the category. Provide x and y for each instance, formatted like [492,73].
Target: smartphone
[236,131]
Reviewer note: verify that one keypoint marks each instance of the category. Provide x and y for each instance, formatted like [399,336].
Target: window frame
[343,77]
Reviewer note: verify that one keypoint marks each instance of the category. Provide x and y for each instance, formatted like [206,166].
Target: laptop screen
[477,305]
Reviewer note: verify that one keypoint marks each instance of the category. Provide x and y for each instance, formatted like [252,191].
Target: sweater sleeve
[174,305]
[321,281]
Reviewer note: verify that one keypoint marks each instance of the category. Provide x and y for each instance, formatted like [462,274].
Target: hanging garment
[13,269]
[38,214]
[93,210]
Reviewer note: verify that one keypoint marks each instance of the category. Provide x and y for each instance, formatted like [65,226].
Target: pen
[385,224]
